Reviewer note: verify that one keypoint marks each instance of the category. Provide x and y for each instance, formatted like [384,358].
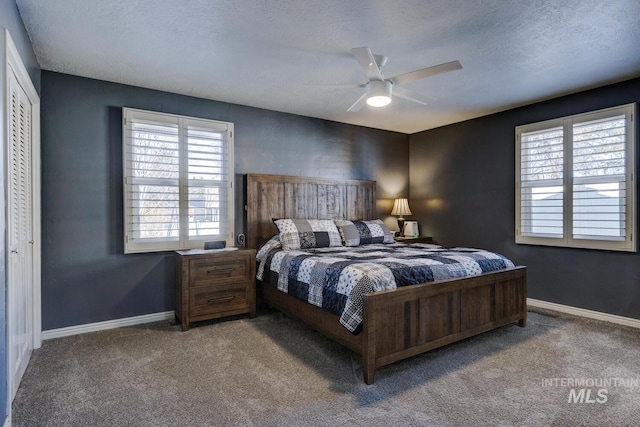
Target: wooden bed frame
[399,323]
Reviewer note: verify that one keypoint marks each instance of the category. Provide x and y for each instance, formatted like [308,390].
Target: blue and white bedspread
[336,278]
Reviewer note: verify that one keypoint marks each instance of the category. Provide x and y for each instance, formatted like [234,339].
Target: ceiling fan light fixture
[379,93]
[378,101]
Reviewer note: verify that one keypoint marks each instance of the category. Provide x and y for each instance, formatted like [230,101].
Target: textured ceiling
[270,53]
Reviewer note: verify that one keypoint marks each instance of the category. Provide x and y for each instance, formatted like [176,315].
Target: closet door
[19,233]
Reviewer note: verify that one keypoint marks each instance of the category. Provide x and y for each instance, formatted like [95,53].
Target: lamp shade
[379,93]
[401,207]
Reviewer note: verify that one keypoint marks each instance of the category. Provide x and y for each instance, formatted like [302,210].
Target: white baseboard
[108,324]
[598,315]
[168,315]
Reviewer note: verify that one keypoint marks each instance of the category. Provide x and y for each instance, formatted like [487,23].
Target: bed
[397,323]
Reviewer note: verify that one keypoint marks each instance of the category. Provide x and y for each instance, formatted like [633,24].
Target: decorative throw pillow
[307,233]
[268,246]
[356,233]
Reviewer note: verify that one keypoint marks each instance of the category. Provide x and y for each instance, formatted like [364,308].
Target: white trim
[7,421]
[37,227]
[597,315]
[107,324]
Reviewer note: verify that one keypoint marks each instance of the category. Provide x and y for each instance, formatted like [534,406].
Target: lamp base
[401,224]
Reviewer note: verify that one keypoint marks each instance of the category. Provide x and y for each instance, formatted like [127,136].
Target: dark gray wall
[462,191]
[11,20]
[85,276]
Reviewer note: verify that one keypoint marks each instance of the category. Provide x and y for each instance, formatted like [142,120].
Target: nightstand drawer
[219,270]
[218,299]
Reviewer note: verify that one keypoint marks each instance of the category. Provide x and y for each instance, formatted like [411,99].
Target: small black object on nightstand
[217,244]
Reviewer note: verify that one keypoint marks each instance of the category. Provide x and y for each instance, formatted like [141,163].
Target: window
[178,177]
[575,181]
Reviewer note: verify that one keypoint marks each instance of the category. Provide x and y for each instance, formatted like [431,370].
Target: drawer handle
[215,300]
[226,271]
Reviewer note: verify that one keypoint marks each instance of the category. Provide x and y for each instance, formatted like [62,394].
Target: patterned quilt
[336,278]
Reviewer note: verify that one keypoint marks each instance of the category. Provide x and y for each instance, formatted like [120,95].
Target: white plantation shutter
[207,181]
[575,183]
[542,172]
[599,179]
[152,181]
[177,181]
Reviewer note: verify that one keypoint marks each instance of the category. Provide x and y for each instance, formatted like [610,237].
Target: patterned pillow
[268,246]
[356,233]
[307,233]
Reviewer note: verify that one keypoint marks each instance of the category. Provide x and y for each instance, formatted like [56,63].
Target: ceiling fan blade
[338,85]
[426,72]
[358,104]
[368,63]
[411,96]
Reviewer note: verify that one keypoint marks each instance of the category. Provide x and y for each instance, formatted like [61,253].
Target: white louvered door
[19,233]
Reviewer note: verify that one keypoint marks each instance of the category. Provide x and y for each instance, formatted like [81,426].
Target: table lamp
[401,208]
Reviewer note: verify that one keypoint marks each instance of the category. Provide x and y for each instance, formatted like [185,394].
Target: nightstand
[420,239]
[214,283]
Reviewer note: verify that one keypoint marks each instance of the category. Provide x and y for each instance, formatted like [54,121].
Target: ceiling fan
[380,89]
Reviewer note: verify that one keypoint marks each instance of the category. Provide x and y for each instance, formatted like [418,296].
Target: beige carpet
[272,371]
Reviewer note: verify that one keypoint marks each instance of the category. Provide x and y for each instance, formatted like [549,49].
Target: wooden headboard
[281,196]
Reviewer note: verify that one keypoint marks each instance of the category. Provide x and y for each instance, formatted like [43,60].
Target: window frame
[567,240]
[183,123]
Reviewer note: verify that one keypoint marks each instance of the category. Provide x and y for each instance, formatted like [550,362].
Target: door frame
[13,63]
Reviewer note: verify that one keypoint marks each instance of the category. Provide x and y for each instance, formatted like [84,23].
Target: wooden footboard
[411,320]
